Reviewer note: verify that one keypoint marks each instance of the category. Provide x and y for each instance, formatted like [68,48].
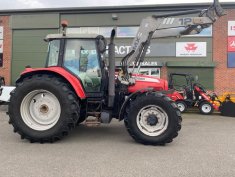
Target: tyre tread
[138,99]
[73,113]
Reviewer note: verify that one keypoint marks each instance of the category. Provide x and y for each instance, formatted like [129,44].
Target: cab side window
[82,60]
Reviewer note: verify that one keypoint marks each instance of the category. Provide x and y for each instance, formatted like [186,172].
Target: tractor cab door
[82,59]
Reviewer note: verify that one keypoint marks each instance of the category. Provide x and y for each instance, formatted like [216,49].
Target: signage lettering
[148,63]
[231,28]
[123,50]
[185,21]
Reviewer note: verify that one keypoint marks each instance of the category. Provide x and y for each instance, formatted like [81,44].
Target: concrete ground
[205,147]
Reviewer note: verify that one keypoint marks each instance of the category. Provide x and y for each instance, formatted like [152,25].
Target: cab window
[81,58]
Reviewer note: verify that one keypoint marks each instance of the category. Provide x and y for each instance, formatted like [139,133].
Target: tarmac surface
[205,147]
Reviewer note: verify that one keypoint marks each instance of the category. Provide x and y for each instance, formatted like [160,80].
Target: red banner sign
[231,44]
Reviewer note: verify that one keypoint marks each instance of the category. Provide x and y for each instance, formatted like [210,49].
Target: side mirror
[101,43]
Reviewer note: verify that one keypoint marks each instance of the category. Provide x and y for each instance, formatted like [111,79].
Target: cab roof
[50,37]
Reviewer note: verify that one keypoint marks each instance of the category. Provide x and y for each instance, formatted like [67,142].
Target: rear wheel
[181,105]
[43,108]
[153,119]
[206,108]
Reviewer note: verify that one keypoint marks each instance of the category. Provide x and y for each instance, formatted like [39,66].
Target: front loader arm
[158,26]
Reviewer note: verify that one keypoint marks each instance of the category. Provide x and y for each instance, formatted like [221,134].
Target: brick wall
[7,38]
[224,76]
[164,73]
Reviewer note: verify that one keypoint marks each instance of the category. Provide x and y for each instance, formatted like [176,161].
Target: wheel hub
[152,120]
[44,109]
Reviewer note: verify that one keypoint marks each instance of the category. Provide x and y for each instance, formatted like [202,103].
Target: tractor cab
[80,55]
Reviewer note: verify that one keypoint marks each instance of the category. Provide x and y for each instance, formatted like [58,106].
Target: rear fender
[60,72]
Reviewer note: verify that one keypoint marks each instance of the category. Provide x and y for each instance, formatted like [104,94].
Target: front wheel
[206,108]
[153,119]
[181,105]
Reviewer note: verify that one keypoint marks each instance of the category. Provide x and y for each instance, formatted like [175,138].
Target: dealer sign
[231,28]
[191,49]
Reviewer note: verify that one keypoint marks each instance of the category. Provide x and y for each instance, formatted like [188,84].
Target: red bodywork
[63,73]
[141,81]
[206,97]
[144,81]
[175,96]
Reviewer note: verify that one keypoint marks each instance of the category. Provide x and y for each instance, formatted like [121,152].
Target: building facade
[210,55]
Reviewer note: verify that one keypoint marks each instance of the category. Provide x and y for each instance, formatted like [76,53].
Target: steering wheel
[200,87]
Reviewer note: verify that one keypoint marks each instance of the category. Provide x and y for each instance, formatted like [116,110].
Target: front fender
[58,71]
[129,98]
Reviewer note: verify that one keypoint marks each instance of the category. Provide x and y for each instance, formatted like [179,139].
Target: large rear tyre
[153,119]
[206,108]
[43,108]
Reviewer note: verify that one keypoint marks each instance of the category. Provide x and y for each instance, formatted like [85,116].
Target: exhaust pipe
[111,70]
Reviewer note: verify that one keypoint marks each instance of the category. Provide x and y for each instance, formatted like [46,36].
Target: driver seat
[189,93]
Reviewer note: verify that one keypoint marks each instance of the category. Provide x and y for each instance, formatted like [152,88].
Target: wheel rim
[206,108]
[40,110]
[152,120]
[181,107]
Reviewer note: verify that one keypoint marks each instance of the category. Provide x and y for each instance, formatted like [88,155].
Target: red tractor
[77,83]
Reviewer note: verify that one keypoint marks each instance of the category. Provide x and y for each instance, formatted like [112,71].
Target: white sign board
[191,49]
[231,28]
[1,32]
[1,46]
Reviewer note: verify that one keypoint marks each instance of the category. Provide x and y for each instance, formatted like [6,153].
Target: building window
[206,32]
[127,31]
[148,71]
[105,31]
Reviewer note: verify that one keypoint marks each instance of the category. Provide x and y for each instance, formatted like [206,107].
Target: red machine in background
[192,94]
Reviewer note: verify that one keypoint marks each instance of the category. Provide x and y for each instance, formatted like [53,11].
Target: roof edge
[116,9]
